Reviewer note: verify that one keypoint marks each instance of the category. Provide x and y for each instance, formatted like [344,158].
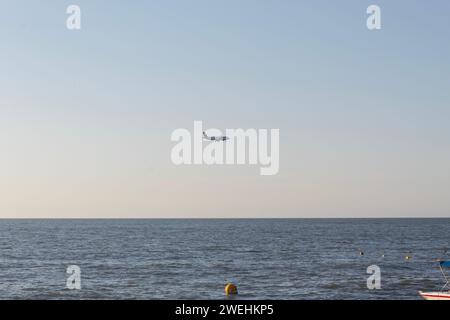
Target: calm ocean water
[193,259]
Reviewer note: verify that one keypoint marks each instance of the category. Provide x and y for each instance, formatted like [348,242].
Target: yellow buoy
[230,289]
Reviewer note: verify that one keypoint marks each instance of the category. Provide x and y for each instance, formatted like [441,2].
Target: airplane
[217,138]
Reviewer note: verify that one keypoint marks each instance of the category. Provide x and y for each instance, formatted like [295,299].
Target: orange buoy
[230,289]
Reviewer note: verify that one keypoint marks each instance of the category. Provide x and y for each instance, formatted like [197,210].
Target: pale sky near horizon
[86,116]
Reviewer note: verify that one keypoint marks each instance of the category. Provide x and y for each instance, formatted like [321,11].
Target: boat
[435,295]
[442,294]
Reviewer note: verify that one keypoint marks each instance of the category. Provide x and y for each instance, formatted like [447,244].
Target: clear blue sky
[86,116]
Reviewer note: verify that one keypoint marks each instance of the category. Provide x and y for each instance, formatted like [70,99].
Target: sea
[195,258]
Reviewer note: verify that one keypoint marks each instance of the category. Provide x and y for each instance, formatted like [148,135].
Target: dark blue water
[193,259]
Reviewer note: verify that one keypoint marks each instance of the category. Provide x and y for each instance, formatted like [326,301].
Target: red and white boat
[435,295]
[440,295]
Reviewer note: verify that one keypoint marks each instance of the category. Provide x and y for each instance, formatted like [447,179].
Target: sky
[86,115]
